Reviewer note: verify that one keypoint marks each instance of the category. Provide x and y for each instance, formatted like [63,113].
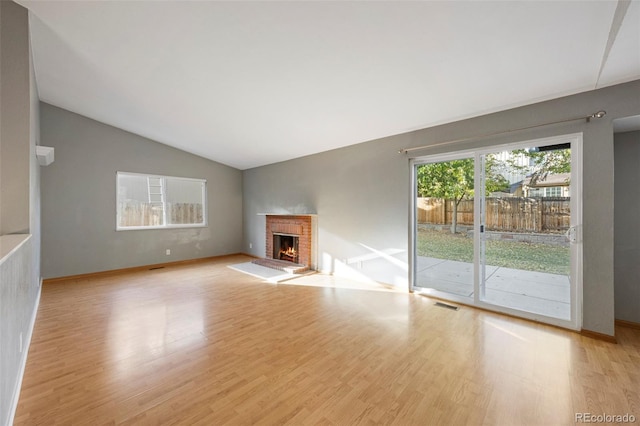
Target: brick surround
[300,226]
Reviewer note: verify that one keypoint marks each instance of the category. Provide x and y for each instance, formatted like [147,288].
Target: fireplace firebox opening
[285,247]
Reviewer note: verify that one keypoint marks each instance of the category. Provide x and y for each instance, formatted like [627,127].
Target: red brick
[299,226]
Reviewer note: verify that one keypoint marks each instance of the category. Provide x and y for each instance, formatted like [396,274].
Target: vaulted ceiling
[253,83]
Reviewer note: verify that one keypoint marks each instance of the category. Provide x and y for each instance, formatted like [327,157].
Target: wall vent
[445,305]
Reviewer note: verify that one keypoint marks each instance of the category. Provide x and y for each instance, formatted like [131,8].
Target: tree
[494,180]
[451,180]
[454,180]
[542,163]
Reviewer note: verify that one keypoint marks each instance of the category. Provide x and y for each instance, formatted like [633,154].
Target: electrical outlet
[168,252]
[250,245]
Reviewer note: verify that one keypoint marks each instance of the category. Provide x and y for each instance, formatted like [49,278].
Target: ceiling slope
[253,83]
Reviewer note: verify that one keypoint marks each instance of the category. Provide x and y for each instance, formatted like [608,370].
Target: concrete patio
[536,292]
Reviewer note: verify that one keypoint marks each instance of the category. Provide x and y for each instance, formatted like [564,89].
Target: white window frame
[549,191]
[164,186]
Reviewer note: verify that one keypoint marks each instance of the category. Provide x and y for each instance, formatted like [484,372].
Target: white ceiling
[626,124]
[253,83]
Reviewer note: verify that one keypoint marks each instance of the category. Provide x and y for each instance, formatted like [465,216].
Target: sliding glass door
[445,223]
[499,228]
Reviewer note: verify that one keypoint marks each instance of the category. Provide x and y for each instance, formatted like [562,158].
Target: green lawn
[508,254]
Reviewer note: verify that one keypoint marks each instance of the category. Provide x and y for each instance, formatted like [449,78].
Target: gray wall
[361,193]
[14,161]
[20,204]
[34,175]
[79,199]
[627,226]
[361,196]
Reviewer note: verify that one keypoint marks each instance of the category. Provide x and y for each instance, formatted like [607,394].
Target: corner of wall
[20,208]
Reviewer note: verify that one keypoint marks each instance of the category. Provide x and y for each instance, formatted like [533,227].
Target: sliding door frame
[576,247]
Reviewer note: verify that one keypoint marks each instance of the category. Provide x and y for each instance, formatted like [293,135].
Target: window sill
[149,228]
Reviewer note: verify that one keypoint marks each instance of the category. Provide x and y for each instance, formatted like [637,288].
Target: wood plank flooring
[204,344]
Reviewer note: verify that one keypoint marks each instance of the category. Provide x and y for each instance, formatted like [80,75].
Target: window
[553,191]
[536,192]
[151,201]
[550,191]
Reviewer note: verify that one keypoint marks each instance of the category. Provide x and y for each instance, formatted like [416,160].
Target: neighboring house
[552,185]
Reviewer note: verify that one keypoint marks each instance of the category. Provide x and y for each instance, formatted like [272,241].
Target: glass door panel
[525,253]
[444,261]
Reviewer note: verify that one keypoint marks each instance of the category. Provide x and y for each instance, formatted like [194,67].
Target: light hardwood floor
[203,344]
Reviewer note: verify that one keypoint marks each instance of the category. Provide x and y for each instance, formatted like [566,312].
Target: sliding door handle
[572,234]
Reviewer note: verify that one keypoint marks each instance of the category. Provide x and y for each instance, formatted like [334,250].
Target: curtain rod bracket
[598,114]
[588,119]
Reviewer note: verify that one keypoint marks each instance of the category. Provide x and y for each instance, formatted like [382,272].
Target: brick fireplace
[291,235]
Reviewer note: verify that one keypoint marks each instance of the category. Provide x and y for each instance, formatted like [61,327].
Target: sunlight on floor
[330,281]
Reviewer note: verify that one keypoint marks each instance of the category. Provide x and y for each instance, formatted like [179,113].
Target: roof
[558,179]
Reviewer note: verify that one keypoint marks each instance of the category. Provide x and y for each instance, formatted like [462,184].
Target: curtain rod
[588,118]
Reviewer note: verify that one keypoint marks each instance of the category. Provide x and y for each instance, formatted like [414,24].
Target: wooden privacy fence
[512,214]
[145,214]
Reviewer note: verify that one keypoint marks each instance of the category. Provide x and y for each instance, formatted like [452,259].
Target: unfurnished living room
[319,212]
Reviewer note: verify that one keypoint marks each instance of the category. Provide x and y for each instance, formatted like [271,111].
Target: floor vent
[444,305]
